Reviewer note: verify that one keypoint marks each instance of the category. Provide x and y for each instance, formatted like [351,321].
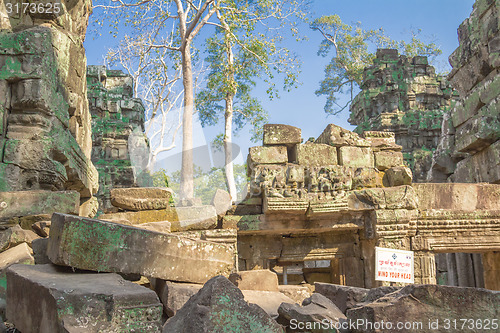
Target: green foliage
[353,50]
[206,183]
[239,54]
[160,178]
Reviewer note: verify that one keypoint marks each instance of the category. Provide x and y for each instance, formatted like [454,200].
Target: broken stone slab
[382,141]
[14,236]
[141,198]
[427,304]
[190,217]
[315,310]
[336,136]
[257,279]
[174,295]
[220,307]
[23,203]
[296,292]
[78,302]
[269,301]
[346,297]
[221,201]
[20,254]
[39,247]
[88,207]
[278,134]
[110,247]
[316,155]
[397,176]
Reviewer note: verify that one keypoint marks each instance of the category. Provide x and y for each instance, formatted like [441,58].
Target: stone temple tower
[405,96]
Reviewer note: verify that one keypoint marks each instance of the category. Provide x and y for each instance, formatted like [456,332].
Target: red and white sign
[393,265]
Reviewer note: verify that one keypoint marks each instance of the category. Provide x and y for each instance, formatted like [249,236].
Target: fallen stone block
[346,297]
[164,227]
[220,307]
[269,301]
[190,218]
[336,136]
[296,292]
[15,236]
[387,159]
[426,304]
[110,247]
[258,279]
[39,247]
[22,203]
[315,311]
[68,301]
[277,134]
[141,198]
[174,295]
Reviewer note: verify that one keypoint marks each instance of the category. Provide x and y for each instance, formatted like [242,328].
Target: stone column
[491,262]
[425,268]
[465,270]
[452,269]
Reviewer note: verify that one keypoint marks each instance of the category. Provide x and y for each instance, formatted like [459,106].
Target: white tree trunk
[187,184]
[228,126]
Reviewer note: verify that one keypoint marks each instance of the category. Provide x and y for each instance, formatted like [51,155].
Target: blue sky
[438,20]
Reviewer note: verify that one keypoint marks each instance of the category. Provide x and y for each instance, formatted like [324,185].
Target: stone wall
[405,96]
[469,148]
[120,148]
[45,133]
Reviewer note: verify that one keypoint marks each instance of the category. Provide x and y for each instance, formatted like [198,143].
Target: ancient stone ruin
[404,96]
[299,249]
[120,149]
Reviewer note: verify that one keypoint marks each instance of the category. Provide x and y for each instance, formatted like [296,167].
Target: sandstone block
[336,136]
[397,176]
[269,301]
[267,155]
[222,201]
[367,178]
[480,167]
[22,203]
[224,308]
[314,310]
[39,247]
[15,236]
[78,302]
[295,292]
[316,155]
[20,254]
[109,247]
[258,279]
[387,159]
[424,303]
[163,227]
[174,295]
[181,218]
[141,198]
[356,157]
[382,140]
[88,207]
[277,134]
[398,197]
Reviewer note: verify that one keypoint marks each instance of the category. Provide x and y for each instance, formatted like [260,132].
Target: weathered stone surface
[20,254]
[405,96]
[400,197]
[295,292]
[257,279]
[381,141]
[220,306]
[15,236]
[88,207]
[140,198]
[39,247]
[27,222]
[387,159]
[23,203]
[221,201]
[78,302]
[367,178]
[345,297]
[164,227]
[109,247]
[397,176]
[267,155]
[174,295]
[314,311]
[356,157]
[316,155]
[430,303]
[120,149]
[268,301]
[336,136]
[278,134]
